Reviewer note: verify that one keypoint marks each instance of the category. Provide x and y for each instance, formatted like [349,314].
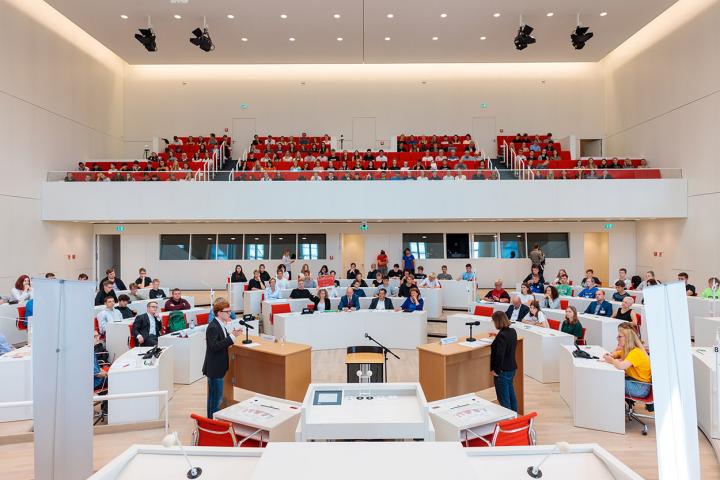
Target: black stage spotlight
[202,39]
[523,38]
[580,36]
[147,38]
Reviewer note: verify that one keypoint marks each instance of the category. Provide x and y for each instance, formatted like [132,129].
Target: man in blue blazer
[517,310]
[350,301]
[600,306]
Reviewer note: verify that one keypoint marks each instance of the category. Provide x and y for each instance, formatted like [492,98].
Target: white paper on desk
[251,345]
[471,344]
[486,340]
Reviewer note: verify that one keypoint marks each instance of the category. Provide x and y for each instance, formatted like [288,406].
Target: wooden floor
[553,424]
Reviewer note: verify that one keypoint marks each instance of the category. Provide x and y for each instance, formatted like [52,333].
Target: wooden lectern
[274,369]
[452,370]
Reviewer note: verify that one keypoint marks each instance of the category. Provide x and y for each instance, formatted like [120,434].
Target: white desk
[235,293]
[296,305]
[457,294]
[8,324]
[594,390]
[706,391]
[706,329]
[251,301]
[456,325]
[451,417]
[332,330]
[277,417]
[16,375]
[396,411]
[599,330]
[188,347]
[701,307]
[131,374]
[541,351]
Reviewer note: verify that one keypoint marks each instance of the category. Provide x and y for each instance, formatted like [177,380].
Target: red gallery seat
[483,311]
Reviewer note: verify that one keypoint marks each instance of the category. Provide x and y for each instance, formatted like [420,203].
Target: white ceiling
[363,25]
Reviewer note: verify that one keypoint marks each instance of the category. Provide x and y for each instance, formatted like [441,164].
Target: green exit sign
[364,226]
[609,226]
[119,228]
[483,105]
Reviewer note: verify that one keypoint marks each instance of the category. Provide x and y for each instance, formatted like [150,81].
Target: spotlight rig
[202,38]
[147,37]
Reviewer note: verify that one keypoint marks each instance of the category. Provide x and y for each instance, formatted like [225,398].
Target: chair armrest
[468,430]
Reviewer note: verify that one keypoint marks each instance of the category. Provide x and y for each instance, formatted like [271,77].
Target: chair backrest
[583,334]
[515,432]
[202,318]
[280,308]
[563,304]
[554,324]
[21,322]
[96,325]
[639,318]
[483,311]
[212,433]
[131,339]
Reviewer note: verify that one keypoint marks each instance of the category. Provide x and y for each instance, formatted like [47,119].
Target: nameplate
[269,338]
[448,340]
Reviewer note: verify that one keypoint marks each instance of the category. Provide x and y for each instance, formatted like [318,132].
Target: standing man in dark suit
[218,338]
[381,302]
[517,310]
[147,327]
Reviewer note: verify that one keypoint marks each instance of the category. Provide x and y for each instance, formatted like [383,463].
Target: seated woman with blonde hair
[630,356]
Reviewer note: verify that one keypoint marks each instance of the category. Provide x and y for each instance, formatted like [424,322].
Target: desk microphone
[245,324]
[535,472]
[476,323]
[172,440]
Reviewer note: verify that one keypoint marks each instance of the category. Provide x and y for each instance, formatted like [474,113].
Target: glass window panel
[174,247]
[512,245]
[230,247]
[484,245]
[424,245]
[312,246]
[457,245]
[553,245]
[203,246]
[280,242]
[257,246]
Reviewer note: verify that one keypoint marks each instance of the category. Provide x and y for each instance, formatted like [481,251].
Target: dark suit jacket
[141,326]
[316,300]
[524,310]
[344,303]
[217,341]
[606,308]
[118,283]
[100,297]
[374,303]
[144,284]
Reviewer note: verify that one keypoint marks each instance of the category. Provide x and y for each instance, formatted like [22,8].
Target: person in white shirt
[430,282]
[280,280]
[405,166]
[427,157]
[449,176]
[525,295]
[381,157]
[536,316]
[272,292]
[22,291]
[460,176]
[316,177]
[441,156]
[266,178]
[422,177]
[108,315]
[622,275]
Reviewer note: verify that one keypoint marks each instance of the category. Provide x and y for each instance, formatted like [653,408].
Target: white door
[363,134]
[485,135]
[107,255]
[243,130]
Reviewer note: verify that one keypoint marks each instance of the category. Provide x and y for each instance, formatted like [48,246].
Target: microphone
[535,472]
[171,440]
[476,323]
[366,335]
[245,324]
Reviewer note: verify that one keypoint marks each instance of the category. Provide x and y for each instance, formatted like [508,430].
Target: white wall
[662,102]
[60,101]
[140,247]
[162,100]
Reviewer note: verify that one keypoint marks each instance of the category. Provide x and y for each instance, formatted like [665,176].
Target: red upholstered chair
[278,308]
[21,322]
[514,432]
[630,413]
[216,433]
[581,340]
[202,318]
[554,324]
[564,304]
[131,340]
[483,311]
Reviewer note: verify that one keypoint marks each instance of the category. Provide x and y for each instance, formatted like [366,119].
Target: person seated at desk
[444,275]
[114,279]
[430,281]
[407,285]
[264,275]
[525,295]
[176,302]
[552,298]
[352,272]
[631,357]
[689,289]
[468,275]
[386,285]
[143,280]
[620,292]
[589,291]
[256,283]
[590,275]
[395,272]
[123,308]
[134,294]
[301,291]
[308,281]
[712,290]
[372,273]
[280,280]
[534,270]
[381,302]
[156,291]
[359,279]
[625,312]
[649,275]
[105,291]
[518,310]
[622,275]
[564,288]
[359,292]
[413,303]
[498,294]
[238,275]
[322,301]
[349,302]
[535,316]
[600,306]
[420,274]
[5,346]
[272,292]
[147,327]
[378,280]
[571,324]
[536,284]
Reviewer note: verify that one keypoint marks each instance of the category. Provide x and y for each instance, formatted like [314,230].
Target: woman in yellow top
[631,357]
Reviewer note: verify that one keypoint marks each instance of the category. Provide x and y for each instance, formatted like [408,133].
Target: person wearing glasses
[147,327]
[218,338]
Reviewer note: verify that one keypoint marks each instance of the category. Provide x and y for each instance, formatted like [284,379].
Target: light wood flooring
[553,424]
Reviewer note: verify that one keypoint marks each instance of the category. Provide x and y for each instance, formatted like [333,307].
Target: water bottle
[192,324]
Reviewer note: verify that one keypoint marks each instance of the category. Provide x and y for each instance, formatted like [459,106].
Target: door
[590,147]
[485,135]
[363,133]
[597,256]
[107,255]
[353,251]
[243,130]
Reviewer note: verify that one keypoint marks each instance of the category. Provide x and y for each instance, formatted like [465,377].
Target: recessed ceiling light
[292,39]
[283,16]
[244,39]
[434,38]
[443,15]
[337,15]
[256,238]
[390,15]
[496,15]
[387,39]
[549,14]
[124,17]
[483,38]
[177,17]
[602,14]
[280,238]
[339,39]
[231,16]
[232,238]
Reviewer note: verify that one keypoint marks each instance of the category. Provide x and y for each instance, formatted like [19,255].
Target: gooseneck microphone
[476,323]
[535,472]
[171,440]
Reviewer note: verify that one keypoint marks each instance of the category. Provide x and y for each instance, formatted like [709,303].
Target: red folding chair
[21,322]
[513,432]
[278,308]
[581,340]
[564,304]
[554,324]
[202,318]
[131,340]
[630,413]
[216,433]
[483,311]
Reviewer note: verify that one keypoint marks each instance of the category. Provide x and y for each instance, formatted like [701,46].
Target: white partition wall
[63,379]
